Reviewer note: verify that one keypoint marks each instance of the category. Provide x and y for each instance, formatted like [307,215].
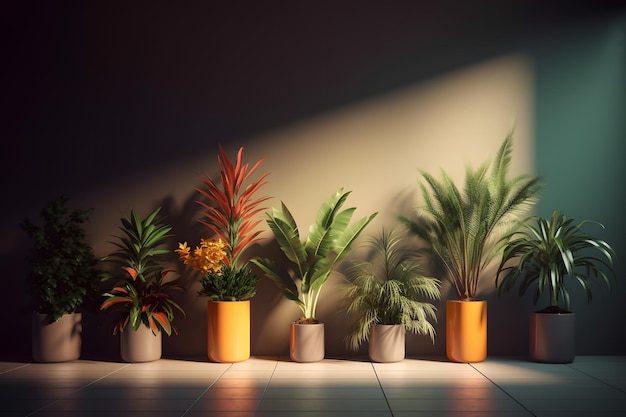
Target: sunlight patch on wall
[373,148]
[376,147]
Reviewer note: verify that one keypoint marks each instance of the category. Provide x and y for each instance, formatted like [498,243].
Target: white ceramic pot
[387,343]
[307,342]
[140,345]
[56,341]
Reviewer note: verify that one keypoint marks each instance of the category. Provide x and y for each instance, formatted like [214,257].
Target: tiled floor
[263,387]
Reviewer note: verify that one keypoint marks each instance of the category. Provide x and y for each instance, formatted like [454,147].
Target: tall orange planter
[466,331]
[228,331]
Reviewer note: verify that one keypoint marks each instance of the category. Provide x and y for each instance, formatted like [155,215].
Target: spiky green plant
[548,251]
[138,245]
[468,228]
[313,260]
[388,289]
[142,296]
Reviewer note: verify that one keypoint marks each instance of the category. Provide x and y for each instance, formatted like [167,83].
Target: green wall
[581,144]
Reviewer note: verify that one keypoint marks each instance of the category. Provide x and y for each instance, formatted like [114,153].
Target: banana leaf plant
[467,228]
[547,251]
[313,259]
[142,296]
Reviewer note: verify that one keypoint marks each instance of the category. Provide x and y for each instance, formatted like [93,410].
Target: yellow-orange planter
[228,331]
[466,331]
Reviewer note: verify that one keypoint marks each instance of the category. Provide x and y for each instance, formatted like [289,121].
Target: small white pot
[387,343]
[306,342]
[140,345]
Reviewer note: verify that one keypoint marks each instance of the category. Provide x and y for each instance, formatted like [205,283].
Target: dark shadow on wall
[96,86]
[99,88]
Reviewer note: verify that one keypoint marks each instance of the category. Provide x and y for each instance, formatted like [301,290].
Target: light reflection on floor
[263,387]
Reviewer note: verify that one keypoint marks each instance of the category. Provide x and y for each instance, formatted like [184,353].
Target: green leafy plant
[142,296]
[314,259]
[548,251]
[230,284]
[387,289]
[63,266]
[229,212]
[468,228]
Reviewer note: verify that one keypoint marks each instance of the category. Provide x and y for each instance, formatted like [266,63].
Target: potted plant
[466,229]
[385,291]
[542,255]
[64,276]
[142,299]
[312,261]
[227,281]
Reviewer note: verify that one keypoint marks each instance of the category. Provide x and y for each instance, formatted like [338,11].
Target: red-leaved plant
[229,212]
[142,296]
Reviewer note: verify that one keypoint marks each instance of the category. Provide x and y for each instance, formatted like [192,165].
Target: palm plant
[548,251]
[468,228]
[229,212]
[314,259]
[142,296]
[387,290]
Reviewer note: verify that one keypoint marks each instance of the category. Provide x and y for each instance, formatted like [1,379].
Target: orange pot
[228,331]
[466,331]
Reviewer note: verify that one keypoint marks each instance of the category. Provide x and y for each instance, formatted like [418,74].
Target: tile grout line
[258,404]
[15,369]
[502,389]
[593,377]
[205,391]
[380,384]
[78,390]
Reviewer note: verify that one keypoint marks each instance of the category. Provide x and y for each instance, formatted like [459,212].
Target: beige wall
[373,148]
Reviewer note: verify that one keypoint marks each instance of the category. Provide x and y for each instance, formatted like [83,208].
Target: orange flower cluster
[205,258]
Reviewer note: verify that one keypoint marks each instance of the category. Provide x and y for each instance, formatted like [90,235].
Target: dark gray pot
[552,337]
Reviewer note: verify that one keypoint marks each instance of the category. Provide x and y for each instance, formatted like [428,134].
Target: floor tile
[578,405]
[324,413]
[321,404]
[225,404]
[233,393]
[458,405]
[324,392]
[278,387]
[446,393]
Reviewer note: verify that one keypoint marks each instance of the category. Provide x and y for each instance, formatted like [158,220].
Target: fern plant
[468,227]
[312,260]
[389,289]
[547,251]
